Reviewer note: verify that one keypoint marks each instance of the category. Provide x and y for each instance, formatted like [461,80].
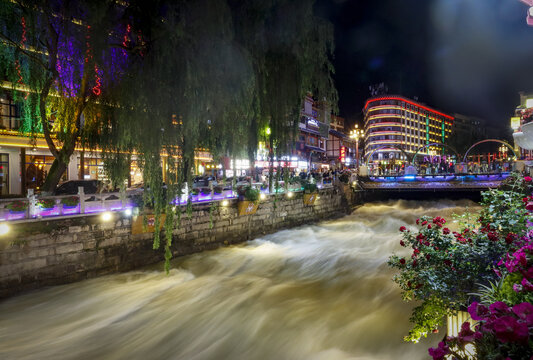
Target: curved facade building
[395,122]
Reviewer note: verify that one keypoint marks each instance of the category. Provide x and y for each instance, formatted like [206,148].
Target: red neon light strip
[409,102]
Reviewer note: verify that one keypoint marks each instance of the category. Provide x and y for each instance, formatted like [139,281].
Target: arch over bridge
[485,141]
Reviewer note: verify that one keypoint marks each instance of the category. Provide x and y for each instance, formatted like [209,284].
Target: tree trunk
[57,170]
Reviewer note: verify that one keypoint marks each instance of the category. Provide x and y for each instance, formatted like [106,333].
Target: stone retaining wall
[52,252]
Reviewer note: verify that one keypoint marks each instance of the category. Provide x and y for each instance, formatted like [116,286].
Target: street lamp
[356,134]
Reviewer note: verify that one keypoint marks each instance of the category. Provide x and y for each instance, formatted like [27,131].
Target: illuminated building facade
[522,124]
[396,123]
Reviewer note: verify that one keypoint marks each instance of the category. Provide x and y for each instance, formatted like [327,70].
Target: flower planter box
[309,199]
[247,207]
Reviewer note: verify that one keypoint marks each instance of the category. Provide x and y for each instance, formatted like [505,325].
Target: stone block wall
[51,252]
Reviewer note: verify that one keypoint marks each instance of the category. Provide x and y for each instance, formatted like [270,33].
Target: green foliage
[70,201]
[310,188]
[427,316]
[251,194]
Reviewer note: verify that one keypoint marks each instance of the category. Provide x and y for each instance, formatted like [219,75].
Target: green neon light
[427,129]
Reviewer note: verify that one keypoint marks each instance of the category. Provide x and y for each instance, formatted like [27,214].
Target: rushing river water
[314,292]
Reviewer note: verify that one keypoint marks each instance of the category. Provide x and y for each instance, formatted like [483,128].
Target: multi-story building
[313,134]
[396,124]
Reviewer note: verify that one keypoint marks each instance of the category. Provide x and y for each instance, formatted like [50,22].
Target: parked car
[71,187]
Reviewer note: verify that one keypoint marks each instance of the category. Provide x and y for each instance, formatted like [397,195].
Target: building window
[4,174]
[9,115]
[37,167]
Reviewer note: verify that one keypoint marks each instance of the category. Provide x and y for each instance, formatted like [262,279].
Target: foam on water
[315,292]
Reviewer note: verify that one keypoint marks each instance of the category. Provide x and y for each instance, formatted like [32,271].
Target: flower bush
[446,268]
[17,206]
[46,203]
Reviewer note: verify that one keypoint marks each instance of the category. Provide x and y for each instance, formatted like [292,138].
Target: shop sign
[342,156]
[313,123]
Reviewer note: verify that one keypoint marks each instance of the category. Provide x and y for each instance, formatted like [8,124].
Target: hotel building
[395,123]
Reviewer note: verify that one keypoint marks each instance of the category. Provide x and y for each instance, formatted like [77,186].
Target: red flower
[527,179]
[529,206]
[445,231]
[402,243]
[402,261]
[510,238]
[417,221]
[525,200]
[428,256]
[447,262]
[429,226]
[402,228]
[492,236]
[414,263]
[424,223]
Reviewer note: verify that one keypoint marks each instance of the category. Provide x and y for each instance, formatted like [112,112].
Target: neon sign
[342,156]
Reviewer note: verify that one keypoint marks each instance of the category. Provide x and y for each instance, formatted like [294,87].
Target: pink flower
[527,285]
[529,206]
[524,311]
[527,179]
[477,311]
[499,308]
[440,352]
[466,334]
[508,329]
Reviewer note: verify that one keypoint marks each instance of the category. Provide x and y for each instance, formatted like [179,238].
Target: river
[318,292]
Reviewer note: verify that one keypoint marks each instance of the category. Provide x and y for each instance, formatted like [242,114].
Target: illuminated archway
[488,140]
[436,144]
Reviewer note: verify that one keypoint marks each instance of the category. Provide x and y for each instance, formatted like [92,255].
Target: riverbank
[53,252]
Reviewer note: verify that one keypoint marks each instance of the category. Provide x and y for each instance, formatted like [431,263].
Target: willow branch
[24,51]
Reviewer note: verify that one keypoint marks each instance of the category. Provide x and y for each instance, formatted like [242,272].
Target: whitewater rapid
[319,292]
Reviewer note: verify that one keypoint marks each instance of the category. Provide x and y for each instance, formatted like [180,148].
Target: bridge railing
[39,207]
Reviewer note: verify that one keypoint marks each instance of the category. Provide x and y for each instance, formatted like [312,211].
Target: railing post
[81,194]
[122,198]
[32,202]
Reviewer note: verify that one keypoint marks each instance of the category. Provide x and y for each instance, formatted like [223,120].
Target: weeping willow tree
[62,60]
[215,75]
[289,49]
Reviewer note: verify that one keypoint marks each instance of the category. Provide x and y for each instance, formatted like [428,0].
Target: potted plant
[248,202]
[46,204]
[70,202]
[310,193]
[17,206]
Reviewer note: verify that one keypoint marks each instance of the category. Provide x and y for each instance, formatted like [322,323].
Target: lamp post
[356,134]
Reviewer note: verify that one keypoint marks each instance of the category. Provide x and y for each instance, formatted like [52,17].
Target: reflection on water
[315,292]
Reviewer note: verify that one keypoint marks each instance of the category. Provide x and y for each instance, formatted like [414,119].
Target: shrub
[46,203]
[446,268]
[310,188]
[17,205]
[218,189]
[70,201]
[251,194]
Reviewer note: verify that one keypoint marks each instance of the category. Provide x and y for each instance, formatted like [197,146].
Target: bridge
[432,183]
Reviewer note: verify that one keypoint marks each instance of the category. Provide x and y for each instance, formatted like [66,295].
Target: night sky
[461,56]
